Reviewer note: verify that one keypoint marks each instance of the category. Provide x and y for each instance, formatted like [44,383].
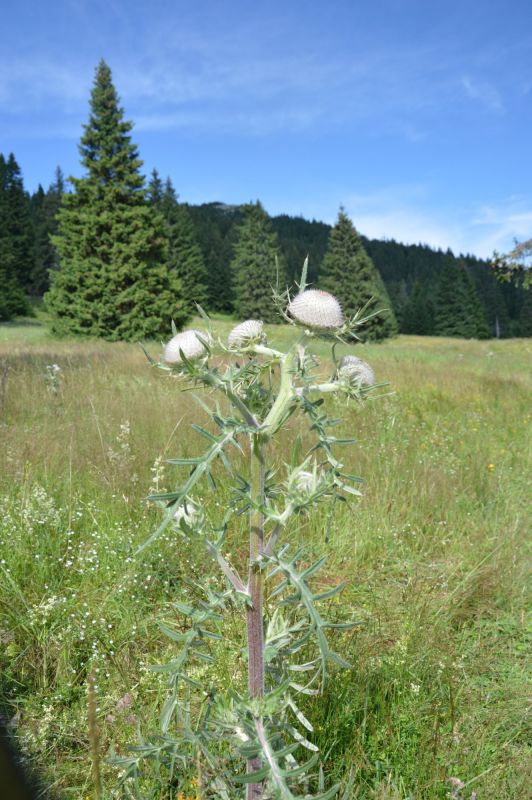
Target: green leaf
[330,793]
[313,568]
[184,462]
[296,771]
[303,280]
[331,592]
[176,636]
[253,777]
[167,711]
[203,432]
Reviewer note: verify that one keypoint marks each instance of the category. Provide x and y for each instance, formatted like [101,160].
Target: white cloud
[484,93]
[403,214]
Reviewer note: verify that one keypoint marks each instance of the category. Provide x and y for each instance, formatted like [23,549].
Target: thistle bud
[305,481]
[249,332]
[189,343]
[188,513]
[354,370]
[316,309]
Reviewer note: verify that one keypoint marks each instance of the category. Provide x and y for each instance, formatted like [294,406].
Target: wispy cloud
[487,95]
[197,80]
[402,213]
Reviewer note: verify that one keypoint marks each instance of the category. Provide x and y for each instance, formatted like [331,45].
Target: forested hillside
[412,274]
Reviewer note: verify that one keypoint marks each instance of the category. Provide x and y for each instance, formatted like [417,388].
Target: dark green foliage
[44,208]
[254,266]
[216,227]
[399,265]
[418,312]
[184,253]
[349,273]
[459,311]
[299,238]
[113,281]
[525,315]
[15,241]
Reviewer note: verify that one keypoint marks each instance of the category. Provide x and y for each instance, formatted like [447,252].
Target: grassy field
[434,555]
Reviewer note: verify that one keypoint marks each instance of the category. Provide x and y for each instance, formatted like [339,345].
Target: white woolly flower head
[354,370]
[316,309]
[249,332]
[187,342]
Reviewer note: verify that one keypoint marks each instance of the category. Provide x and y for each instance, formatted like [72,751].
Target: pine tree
[15,240]
[113,280]
[459,311]
[254,266]
[349,273]
[185,258]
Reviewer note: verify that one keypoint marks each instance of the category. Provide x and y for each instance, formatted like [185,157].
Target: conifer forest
[185,255]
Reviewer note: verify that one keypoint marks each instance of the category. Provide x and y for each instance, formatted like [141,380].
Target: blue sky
[416,115]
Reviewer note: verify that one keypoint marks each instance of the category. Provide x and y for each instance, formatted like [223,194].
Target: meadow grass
[433,555]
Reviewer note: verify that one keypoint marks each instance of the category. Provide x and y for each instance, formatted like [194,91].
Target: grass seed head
[316,309]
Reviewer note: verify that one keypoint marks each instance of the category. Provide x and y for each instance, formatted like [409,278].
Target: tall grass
[434,555]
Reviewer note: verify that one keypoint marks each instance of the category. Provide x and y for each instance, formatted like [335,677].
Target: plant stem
[255,623]
[285,395]
[94,739]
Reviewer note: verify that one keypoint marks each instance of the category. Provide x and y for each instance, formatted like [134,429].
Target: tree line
[118,258]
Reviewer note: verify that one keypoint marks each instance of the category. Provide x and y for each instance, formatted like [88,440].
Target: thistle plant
[251,741]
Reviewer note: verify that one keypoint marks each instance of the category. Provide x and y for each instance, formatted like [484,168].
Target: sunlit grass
[433,554]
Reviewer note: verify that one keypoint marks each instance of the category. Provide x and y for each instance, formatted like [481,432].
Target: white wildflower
[252,330]
[356,371]
[189,343]
[317,309]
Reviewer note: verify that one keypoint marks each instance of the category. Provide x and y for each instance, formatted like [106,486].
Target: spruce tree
[349,273]
[185,258]
[459,311]
[113,280]
[254,266]
[15,241]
